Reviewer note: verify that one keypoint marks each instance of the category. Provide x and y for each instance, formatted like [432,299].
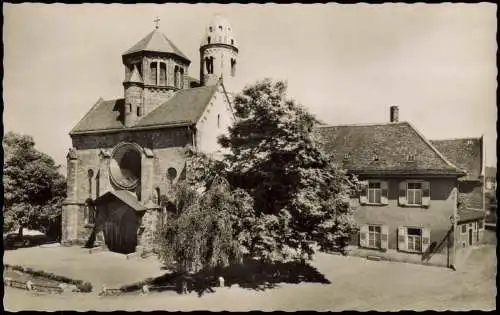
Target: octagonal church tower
[128,152]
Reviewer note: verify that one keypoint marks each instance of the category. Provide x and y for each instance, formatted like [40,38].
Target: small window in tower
[139,111]
[220,27]
[218,120]
[154,69]
[176,76]
[129,108]
[211,71]
[210,29]
[233,67]
[90,174]
[208,39]
[232,41]
[207,64]
[163,74]
[181,78]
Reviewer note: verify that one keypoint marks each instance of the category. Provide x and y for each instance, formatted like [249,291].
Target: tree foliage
[33,187]
[208,227]
[300,196]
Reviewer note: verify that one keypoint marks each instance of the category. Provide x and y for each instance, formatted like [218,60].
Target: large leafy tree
[33,187]
[301,198]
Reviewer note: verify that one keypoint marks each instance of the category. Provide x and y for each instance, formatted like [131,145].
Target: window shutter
[402,193]
[402,238]
[426,193]
[363,198]
[384,237]
[384,196]
[363,236]
[426,239]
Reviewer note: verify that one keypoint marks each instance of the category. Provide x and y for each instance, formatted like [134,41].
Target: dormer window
[375,157]
[411,158]
[469,142]
[347,156]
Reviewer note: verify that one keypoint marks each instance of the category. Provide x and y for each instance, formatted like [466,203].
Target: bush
[84,287]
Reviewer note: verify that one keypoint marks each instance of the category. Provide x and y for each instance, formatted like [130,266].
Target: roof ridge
[434,148]
[99,101]
[452,139]
[360,124]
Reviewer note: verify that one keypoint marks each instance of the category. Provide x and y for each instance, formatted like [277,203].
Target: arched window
[220,27]
[89,212]
[208,39]
[233,67]
[97,185]
[163,74]
[156,196]
[211,65]
[210,29]
[181,78]
[207,65]
[154,73]
[90,174]
[139,111]
[176,76]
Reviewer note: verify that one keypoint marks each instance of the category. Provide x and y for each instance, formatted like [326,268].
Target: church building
[127,152]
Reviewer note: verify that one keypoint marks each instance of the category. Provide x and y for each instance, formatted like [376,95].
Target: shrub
[84,287]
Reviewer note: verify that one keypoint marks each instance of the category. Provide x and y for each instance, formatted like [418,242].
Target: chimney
[394,114]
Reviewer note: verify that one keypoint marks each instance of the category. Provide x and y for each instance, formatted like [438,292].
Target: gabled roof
[490,171]
[465,153]
[102,116]
[125,196]
[465,215]
[185,107]
[156,42]
[392,143]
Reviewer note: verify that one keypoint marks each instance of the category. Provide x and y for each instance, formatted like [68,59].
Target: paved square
[356,284]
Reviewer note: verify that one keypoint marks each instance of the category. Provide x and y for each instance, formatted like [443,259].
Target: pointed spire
[135,77]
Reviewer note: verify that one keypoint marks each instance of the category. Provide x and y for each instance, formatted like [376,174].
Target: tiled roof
[392,143]
[156,42]
[465,153]
[469,215]
[103,115]
[125,196]
[490,171]
[186,106]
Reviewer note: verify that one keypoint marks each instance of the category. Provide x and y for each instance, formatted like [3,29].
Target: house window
[480,225]
[414,239]
[374,192]
[374,240]
[414,193]
[464,228]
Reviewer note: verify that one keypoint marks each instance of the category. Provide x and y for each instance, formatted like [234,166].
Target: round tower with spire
[218,53]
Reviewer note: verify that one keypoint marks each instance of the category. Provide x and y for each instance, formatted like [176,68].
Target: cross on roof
[157,22]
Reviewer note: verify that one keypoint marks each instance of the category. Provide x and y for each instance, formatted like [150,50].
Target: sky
[345,63]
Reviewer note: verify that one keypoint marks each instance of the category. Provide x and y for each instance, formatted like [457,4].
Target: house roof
[490,171]
[185,107]
[469,215]
[465,153]
[125,196]
[156,42]
[392,143]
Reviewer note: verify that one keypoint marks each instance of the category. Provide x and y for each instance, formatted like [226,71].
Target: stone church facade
[127,152]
